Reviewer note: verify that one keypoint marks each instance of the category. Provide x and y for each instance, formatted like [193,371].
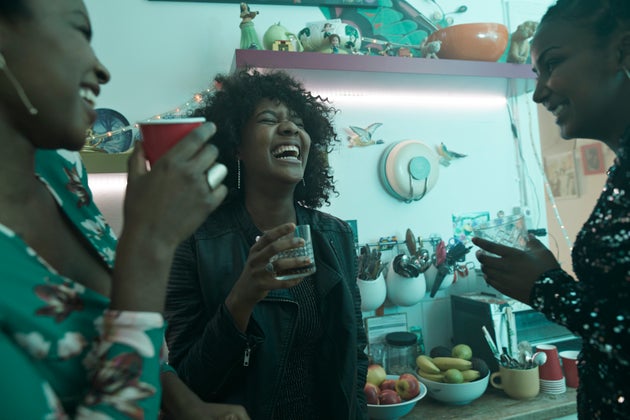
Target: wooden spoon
[410,240]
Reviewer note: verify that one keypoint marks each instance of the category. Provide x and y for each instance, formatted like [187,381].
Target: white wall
[161,53]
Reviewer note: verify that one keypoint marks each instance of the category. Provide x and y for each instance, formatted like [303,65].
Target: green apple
[376,374]
[462,351]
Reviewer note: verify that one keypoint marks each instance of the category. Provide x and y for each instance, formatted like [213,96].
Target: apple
[407,386]
[388,384]
[376,374]
[389,396]
[371,393]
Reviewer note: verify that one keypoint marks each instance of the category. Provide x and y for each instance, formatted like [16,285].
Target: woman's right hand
[162,208]
[174,198]
[257,280]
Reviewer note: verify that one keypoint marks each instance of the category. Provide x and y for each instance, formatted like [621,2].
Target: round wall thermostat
[409,169]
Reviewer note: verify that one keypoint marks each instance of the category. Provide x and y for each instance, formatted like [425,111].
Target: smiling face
[581,80]
[274,147]
[60,73]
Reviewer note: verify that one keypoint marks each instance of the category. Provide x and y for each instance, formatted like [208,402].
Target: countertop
[494,404]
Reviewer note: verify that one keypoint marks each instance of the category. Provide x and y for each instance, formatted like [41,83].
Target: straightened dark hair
[603,17]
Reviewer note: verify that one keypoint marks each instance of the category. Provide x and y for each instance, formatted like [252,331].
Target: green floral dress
[63,353]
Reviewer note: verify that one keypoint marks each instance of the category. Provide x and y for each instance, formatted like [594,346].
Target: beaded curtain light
[93,141]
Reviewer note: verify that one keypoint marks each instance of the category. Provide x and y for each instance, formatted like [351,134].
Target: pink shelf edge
[364,63]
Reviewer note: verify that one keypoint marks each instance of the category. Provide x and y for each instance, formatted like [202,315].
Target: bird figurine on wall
[360,137]
[446,156]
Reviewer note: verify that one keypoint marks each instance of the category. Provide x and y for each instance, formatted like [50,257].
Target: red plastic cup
[551,370]
[569,365]
[158,136]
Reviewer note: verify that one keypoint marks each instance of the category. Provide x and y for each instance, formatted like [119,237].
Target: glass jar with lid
[400,353]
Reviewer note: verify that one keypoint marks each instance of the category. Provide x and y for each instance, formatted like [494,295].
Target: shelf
[100,162]
[345,71]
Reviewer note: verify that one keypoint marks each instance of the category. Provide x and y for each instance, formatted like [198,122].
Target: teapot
[277,32]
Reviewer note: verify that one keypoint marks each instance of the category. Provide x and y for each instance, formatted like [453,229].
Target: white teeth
[558,110]
[286,152]
[88,95]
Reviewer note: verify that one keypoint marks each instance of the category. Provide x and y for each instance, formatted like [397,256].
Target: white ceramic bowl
[395,411]
[457,394]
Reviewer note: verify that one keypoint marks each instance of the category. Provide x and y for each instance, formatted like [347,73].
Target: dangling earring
[303,182]
[238,174]
[16,85]
[625,70]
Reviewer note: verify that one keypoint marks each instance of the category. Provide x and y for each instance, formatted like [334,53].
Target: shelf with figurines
[326,71]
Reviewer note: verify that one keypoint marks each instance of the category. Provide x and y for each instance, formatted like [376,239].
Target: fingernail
[216,175]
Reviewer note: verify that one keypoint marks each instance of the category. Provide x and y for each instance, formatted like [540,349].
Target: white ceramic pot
[373,293]
[404,291]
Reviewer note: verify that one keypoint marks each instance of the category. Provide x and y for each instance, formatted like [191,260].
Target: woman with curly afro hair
[282,348]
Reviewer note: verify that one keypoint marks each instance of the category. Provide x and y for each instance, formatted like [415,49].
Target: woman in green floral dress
[80,332]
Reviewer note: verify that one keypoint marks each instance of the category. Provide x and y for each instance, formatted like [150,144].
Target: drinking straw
[491,344]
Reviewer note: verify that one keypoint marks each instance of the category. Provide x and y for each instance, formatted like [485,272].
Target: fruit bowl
[456,394]
[471,41]
[396,411]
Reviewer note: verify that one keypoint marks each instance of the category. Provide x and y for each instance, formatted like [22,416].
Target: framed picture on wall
[592,159]
[561,175]
[354,3]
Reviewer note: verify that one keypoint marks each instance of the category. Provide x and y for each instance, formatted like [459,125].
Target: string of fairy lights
[550,197]
[95,141]
[515,121]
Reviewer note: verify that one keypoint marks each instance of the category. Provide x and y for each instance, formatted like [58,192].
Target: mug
[519,384]
[314,37]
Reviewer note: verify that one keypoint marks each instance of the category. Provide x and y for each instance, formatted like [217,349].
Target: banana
[426,365]
[446,363]
[470,375]
[435,377]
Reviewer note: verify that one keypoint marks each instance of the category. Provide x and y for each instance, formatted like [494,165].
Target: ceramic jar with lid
[400,353]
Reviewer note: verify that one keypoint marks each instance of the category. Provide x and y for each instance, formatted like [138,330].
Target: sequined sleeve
[599,319]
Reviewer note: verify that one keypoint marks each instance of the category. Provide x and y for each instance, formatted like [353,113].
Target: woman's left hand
[513,271]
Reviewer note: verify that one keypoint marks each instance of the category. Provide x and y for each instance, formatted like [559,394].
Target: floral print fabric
[64,354]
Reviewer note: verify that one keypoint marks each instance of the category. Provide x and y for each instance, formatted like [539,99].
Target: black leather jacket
[220,363]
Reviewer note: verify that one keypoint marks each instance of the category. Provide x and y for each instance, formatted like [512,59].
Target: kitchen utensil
[519,384]
[410,240]
[539,358]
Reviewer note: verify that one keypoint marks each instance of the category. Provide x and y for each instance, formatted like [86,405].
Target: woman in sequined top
[581,55]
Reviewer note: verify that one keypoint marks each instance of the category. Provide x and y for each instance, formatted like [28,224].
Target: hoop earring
[625,70]
[17,86]
[238,174]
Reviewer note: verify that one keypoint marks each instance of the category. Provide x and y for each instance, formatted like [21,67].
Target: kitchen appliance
[508,322]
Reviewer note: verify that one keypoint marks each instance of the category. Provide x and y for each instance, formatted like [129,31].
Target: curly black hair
[14,9]
[604,17]
[233,102]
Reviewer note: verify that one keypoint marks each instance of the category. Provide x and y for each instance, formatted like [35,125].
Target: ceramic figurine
[249,37]
[334,43]
[447,155]
[519,42]
[430,49]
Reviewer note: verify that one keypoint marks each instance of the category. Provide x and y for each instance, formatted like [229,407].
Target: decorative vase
[404,291]
[373,293]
